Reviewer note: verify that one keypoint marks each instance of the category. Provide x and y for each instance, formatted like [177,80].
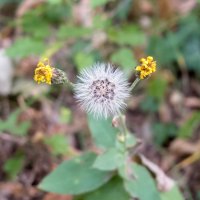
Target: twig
[12,138]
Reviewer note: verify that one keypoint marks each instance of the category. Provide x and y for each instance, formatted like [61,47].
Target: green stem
[123,129]
[71,85]
[135,83]
[124,132]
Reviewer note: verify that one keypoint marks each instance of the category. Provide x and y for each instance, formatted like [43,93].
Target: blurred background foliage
[40,125]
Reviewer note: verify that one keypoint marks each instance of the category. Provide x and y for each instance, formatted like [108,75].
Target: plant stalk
[135,83]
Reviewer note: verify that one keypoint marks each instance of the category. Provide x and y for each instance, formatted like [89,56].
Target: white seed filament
[102,90]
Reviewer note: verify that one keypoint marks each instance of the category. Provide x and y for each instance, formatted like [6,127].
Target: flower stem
[124,132]
[135,83]
[70,83]
[123,129]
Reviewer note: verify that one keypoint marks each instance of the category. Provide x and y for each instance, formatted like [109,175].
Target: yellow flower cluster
[43,72]
[147,66]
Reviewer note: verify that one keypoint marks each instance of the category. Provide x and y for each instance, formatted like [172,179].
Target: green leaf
[173,194]
[130,140]
[113,190]
[65,115]
[96,3]
[14,165]
[75,176]
[149,104]
[58,144]
[109,160]
[70,31]
[122,10]
[28,24]
[176,46]
[159,46]
[126,35]
[12,126]
[163,132]
[24,47]
[83,60]
[125,58]
[189,126]
[2,2]
[102,131]
[192,59]
[55,1]
[142,185]
[101,22]
[79,46]
[157,88]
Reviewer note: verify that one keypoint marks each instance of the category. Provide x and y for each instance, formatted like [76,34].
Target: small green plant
[14,165]
[57,144]
[14,127]
[118,172]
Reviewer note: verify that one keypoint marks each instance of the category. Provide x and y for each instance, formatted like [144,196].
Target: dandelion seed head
[102,90]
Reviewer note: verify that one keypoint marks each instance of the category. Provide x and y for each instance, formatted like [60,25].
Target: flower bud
[58,76]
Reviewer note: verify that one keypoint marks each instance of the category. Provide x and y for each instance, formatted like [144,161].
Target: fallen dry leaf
[189,160]
[98,39]
[83,13]
[165,113]
[183,7]
[192,102]
[164,183]
[17,190]
[181,147]
[57,197]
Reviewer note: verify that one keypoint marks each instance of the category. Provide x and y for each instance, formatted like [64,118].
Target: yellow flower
[43,72]
[147,66]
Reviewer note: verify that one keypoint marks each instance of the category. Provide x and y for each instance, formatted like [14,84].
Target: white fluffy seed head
[102,90]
